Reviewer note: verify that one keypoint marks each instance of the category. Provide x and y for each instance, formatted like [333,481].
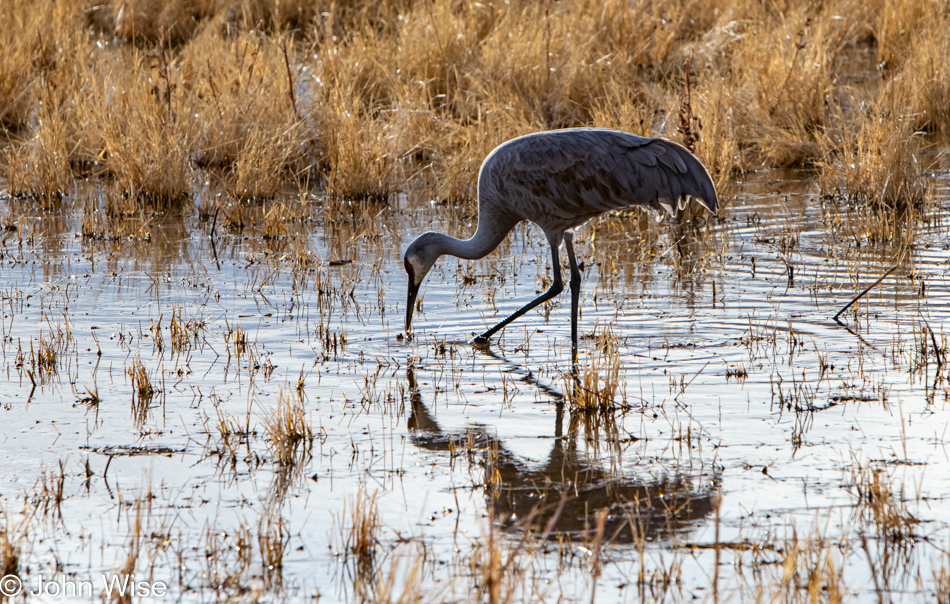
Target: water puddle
[234,411]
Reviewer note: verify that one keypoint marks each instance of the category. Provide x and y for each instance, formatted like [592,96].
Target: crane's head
[418,259]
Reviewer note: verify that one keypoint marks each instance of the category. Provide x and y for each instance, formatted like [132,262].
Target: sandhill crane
[559,180]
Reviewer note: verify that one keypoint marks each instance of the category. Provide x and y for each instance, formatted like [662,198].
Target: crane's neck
[491,231]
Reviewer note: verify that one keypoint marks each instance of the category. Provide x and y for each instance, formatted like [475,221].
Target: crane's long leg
[556,288]
[575,292]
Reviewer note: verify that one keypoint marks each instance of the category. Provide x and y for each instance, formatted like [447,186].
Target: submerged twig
[33,381]
[861,295]
[933,339]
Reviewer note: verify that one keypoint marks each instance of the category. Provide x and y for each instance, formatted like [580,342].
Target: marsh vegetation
[202,209]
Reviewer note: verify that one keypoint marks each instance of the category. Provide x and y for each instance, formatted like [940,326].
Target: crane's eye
[409,269]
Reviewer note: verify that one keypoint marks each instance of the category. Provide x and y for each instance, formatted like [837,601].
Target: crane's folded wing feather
[572,175]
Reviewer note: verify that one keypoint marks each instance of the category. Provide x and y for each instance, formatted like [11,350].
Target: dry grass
[362,535]
[184,332]
[155,102]
[40,168]
[360,152]
[142,390]
[272,539]
[228,559]
[237,341]
[875,160]
[601,380]
[363,97]
[941,577]
[880,506]
[45,357]
[288,432]
[12,538]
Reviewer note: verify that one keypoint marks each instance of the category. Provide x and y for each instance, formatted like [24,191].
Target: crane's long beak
[411,304]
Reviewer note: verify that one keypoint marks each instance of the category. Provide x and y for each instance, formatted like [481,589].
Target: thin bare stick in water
[933,339]
[861,295]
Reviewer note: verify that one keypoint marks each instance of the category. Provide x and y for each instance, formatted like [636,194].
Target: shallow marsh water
[757,445]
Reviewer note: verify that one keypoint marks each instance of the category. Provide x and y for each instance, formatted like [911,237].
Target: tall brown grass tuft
[259,169]
[40,167]
[874,161]
[895,25]
[925,71]
[241,88]
[361,152]
[34,44]
[140,132]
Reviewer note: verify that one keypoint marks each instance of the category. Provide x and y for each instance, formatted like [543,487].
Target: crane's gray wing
[572,175]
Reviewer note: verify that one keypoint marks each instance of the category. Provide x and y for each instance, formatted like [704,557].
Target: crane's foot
[480,340]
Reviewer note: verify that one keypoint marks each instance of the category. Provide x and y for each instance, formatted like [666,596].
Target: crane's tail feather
[698,184]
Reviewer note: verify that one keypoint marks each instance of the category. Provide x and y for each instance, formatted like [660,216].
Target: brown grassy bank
[363,97]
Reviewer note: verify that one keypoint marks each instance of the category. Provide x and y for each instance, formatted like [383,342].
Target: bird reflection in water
[563,495]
